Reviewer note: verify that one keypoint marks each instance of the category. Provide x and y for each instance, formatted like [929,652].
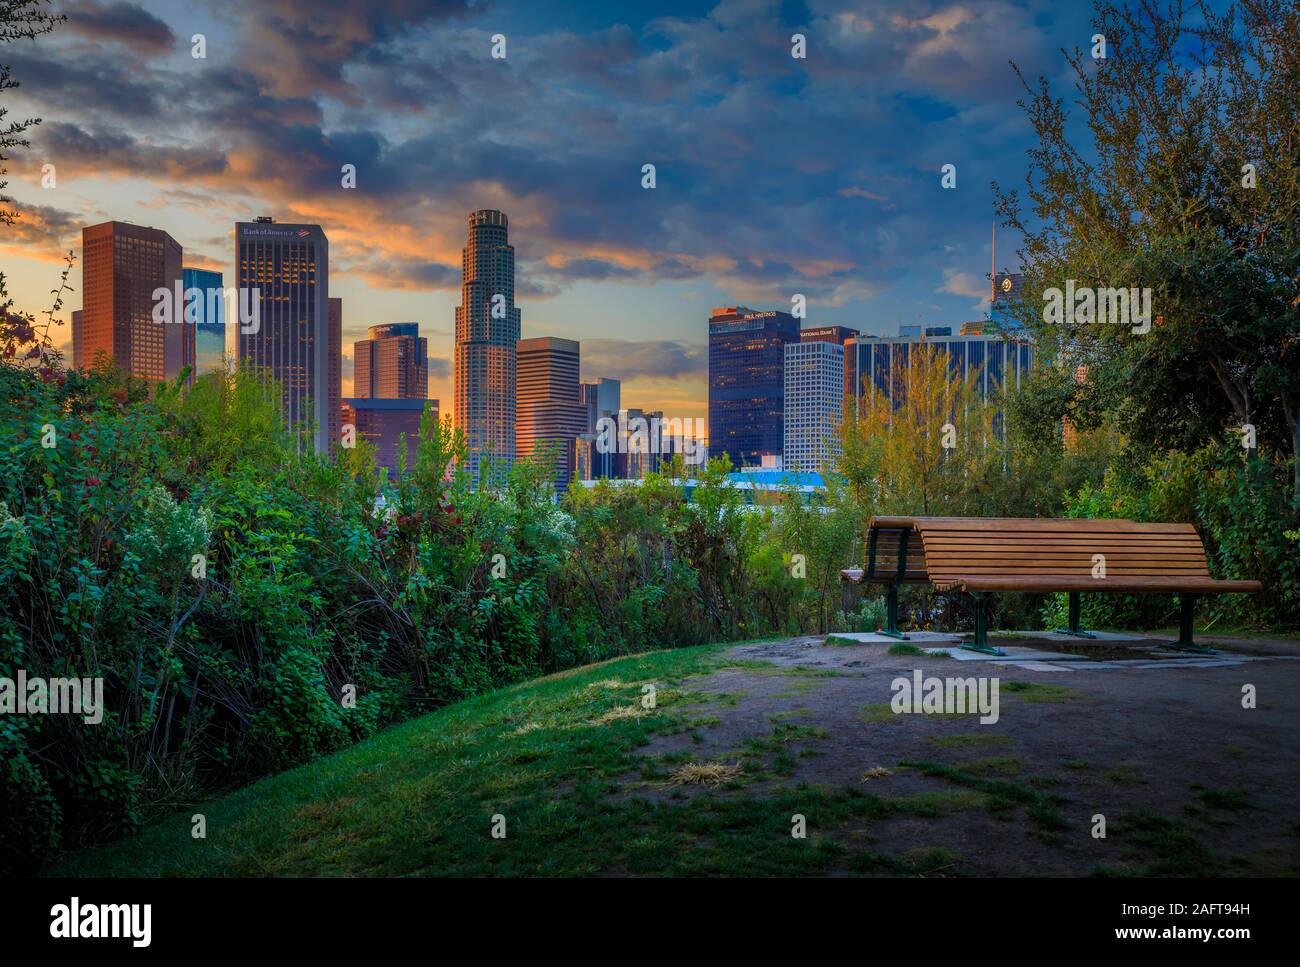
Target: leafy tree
[1182,175]
[19,20]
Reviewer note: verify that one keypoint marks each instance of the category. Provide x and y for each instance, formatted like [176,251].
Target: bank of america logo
[303,233]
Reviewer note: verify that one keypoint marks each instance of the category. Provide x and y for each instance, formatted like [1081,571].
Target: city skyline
[865,232]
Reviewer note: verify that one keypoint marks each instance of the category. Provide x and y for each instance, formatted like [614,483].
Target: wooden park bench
[981,555]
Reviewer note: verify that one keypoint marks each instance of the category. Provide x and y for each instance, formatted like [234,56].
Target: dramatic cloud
[104,152]
[47,232]
[774,175]
[302,49]
[627,359]
[125,23]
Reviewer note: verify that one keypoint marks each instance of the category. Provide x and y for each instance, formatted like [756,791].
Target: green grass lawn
[563,760]
[549,756]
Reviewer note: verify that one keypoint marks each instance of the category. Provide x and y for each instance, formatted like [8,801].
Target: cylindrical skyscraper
[487,329]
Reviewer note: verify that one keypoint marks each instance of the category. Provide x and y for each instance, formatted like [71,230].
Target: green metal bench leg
[1185,642]
[1075,629]
[891,614]
[981,642]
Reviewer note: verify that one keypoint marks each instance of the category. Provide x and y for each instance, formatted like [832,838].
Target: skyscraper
[392,363]
[601,400]
[77,335]
[814,403]
[487,331]
[747,382]
[383,421]
[335,370]
[551,412]
[1008,294]
[122,265]
[874,365]
[286,267]
[210,330]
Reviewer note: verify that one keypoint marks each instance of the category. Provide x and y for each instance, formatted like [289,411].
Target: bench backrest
[961,547]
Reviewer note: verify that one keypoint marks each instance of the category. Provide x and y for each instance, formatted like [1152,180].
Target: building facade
[335,377]
[122,267]
[814,404]
[209,307]
[1008,295]
[601,400]
[392,363]
[382,422]
[835,334]
[876,365]
[286,269]
[747,382]
[551,413]
[487,332]
[77,336]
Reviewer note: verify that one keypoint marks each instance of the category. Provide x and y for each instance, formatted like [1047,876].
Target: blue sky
[775,175]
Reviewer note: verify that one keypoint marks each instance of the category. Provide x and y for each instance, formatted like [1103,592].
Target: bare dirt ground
[1157,742]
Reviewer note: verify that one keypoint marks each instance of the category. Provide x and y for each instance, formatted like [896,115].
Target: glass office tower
[875,365]
[210,308]
[747,382]
[288,267]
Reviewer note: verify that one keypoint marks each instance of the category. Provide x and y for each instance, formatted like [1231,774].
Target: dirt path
[1159,744]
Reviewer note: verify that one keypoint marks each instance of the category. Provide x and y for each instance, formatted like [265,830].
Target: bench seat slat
[1099,540]
[1065,554]
[1121,583]
[1048,568]
[938,525]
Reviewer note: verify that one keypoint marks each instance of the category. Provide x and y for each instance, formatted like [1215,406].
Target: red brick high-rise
[121,267]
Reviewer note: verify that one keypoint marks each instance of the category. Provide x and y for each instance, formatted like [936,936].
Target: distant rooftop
[775,479]
[383,403]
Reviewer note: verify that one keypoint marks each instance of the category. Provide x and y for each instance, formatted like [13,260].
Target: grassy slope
[419,798]
[563,760]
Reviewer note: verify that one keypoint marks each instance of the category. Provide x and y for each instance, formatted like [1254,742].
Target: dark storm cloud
[301,49]
[42,228]
[114,152]
[590,270]
[629,359]
[390,273]
[125,23]
[63,85]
